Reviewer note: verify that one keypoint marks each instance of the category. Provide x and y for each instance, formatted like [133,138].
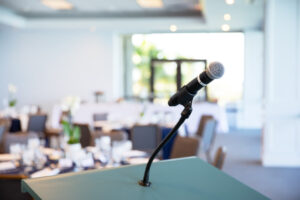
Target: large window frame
[178,73]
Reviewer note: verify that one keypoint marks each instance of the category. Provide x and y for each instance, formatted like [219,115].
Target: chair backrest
[118,135]
[86,138]
[201,125]
[100,116]
[4,127]
[2,130]
[37,123]
[145,137]
[209,133]
[220,157]
[5,122]
[184,147]
[208,137]
[15,125]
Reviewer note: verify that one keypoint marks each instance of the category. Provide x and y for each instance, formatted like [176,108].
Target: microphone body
[187,92]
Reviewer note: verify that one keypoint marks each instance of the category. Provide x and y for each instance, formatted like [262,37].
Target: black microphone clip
[182,97]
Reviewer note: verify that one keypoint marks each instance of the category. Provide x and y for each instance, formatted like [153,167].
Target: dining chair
[6,122]
[100,116]
[115,135]
[208,137]
[4,127]
[145,137]
[201,124]
[86,137]
[15,125]
[184,147]
[10,187]
[36,127]
[17,138]
[220,157]
[2,131]
[37,124]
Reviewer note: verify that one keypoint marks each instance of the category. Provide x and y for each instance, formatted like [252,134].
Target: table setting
[34,160]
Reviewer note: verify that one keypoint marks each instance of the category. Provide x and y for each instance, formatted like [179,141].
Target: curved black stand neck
[184,115]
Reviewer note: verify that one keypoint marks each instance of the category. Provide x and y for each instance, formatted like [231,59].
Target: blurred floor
[243,163]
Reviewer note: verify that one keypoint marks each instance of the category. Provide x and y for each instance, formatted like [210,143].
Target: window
[168,76]
[228,48]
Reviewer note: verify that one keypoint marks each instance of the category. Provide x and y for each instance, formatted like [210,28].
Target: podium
[186,178]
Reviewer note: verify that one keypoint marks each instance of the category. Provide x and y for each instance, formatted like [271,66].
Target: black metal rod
[184,115]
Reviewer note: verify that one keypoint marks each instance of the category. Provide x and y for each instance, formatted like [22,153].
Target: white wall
[250,113]
[281,135]
[47,65]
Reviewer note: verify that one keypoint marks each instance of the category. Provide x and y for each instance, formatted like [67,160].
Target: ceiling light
[150,3]
[198,7]
[58,4]
[173,28]
[225,27]
[227,17]
[229,2]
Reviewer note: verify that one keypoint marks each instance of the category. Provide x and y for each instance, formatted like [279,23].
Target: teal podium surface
[187,179]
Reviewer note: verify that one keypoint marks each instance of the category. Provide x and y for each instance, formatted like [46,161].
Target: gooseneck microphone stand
[184,115]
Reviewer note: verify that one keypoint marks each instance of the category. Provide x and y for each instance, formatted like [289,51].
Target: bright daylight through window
[228,48]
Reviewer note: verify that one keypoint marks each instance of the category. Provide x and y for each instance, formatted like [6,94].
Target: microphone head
[215,70]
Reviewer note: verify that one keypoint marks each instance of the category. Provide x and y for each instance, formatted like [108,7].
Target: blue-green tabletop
[184,179]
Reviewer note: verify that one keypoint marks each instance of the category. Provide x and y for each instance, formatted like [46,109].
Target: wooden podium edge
[26,189]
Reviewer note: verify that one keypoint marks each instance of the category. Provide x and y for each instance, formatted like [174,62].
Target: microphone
[186,94]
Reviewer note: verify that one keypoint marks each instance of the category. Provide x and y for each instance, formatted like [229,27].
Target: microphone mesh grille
[215,70]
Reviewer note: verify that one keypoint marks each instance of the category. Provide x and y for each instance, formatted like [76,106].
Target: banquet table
[11,164]
[10,178]
[132,112]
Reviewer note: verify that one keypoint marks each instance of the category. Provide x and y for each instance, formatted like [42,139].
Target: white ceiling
[109,7]
[128,16]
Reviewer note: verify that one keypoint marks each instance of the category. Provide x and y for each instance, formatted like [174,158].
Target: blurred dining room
[85,85]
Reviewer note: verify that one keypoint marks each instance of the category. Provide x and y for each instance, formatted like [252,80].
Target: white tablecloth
[130,112]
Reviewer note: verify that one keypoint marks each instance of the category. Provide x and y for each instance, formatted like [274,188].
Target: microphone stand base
[145,184]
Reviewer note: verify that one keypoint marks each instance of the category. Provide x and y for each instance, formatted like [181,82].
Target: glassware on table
[42,142]
[118,149]
[15,149]
[104,145]
[65,163]
[39,159]
[87,161]
[33,142]
[28,157]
